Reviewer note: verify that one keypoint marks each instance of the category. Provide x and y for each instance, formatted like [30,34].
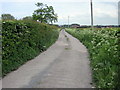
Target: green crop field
[103,48]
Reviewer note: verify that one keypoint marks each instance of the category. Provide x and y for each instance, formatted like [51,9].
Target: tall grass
[104,55]
[23,40]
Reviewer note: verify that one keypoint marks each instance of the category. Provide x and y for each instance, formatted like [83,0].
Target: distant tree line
[44,14]
[88,26]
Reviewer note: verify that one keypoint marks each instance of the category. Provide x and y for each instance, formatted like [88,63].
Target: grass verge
[104,54]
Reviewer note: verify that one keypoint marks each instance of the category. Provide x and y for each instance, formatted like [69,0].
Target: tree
[45,14]
[28,18]
[7,17]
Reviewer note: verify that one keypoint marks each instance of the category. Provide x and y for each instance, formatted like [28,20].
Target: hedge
[23,40]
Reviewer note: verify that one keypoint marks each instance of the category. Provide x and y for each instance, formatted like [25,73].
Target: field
[103,48]
[23,40]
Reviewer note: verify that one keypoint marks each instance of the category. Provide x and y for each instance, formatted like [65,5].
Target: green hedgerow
[23,40]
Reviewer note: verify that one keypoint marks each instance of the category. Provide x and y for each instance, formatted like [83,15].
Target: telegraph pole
[91,15]
[68,21]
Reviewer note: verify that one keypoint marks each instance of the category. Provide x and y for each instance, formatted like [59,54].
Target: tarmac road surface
[64,65]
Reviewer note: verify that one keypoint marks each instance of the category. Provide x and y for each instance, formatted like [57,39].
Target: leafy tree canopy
[7,17]
[45,14]
[28,18]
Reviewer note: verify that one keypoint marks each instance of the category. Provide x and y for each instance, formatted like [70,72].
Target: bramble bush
[23,40]
[104,54]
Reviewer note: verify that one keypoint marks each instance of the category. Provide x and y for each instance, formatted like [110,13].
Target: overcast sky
[105,11]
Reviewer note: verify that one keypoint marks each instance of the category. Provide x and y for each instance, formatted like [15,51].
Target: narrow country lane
[64,65]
